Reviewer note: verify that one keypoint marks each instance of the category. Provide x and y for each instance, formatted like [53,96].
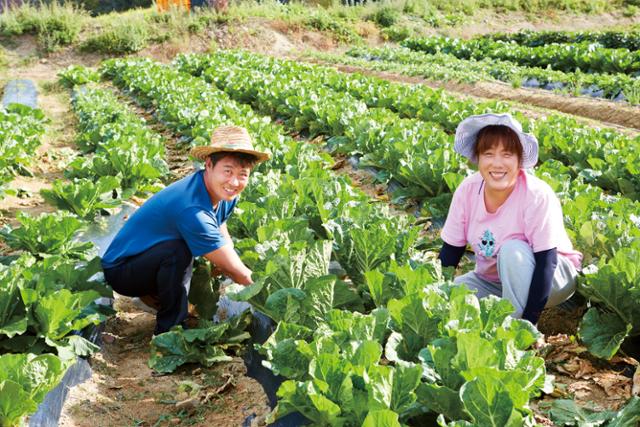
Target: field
[357,319]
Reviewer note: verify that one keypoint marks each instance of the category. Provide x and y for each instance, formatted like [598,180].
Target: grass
[54,24]
[62,24]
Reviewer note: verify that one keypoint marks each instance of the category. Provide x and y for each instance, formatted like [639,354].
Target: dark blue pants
[163,270]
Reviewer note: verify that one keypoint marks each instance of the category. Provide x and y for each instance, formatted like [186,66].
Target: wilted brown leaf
[616,386]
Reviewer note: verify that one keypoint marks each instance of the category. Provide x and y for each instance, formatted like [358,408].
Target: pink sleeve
[454,231]
[543,223]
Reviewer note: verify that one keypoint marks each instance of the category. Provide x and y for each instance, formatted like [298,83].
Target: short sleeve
[543,222]
[201,231]
[226,212]
[454,231]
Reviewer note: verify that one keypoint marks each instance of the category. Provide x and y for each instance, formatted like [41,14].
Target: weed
[386,16]
[51,86]
[397,33]
[119,37]
[55,24]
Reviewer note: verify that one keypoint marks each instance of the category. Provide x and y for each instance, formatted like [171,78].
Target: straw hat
[467,135]
[233,139]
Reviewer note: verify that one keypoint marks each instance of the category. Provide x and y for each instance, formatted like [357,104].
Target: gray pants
[515,268]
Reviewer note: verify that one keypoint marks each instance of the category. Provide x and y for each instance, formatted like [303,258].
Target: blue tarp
[20,91]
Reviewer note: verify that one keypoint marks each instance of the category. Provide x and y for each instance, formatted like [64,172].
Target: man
[152,255]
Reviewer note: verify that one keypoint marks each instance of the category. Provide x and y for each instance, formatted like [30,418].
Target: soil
[123,390]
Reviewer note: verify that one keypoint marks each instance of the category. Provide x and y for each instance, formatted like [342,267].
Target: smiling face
[499,167]
[499,154]
[226,179]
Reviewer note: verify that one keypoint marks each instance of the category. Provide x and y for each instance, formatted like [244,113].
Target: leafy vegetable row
[561,138]
[295,217]
[447,67]
[602,226]
[612,39]
[120,156]
[562,57]
[21,128]
[49,292]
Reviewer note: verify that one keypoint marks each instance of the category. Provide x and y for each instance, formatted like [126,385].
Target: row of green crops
[446,67]
[603,227]
[375,355]
[561,57]
[561,138]
[49,292]
[120,156]
[612,39]
[21,129]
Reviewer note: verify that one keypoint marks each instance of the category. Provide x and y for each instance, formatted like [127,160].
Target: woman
[511,219]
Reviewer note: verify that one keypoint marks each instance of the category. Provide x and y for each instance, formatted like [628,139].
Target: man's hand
[229,263]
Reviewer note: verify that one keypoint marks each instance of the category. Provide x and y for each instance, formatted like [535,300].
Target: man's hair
[246,160]
[494,135]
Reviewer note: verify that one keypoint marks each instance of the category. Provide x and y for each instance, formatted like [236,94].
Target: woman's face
[499,168]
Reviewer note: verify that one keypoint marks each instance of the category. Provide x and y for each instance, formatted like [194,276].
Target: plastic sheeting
[48,414]
[20,92]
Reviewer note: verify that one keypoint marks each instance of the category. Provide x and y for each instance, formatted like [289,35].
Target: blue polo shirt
[183,210]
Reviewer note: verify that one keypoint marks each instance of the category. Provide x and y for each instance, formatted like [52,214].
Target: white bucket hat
[467,136]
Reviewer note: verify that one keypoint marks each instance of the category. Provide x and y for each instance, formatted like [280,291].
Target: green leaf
[49,233]
[286,305]
[381,418]
[415,325]
[13,315]
[61,313]
[566,412]
[85,197]
[603,333]
[205,345]
[442,400]
[15,403]
[629,416]
[203,292]
[488,403]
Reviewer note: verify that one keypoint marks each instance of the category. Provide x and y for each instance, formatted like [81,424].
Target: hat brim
[201,153]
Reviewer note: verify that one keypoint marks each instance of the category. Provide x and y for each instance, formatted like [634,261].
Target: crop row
[295,218]
[611,39]
[21,129]
[446,67]
[561,138]
[601,225]
[560,57]
[50,292]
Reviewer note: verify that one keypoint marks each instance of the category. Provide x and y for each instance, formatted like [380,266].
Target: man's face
[225,180]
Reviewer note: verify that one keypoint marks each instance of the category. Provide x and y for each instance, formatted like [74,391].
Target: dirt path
[123,391]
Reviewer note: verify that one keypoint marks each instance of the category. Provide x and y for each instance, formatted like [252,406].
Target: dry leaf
[636,382]
[615,386]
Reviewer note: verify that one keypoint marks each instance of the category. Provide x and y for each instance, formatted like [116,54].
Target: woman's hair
[493,135]
[245,159]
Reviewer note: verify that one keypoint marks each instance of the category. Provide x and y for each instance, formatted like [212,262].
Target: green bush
[385,16]
[397,33]
[127,36]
